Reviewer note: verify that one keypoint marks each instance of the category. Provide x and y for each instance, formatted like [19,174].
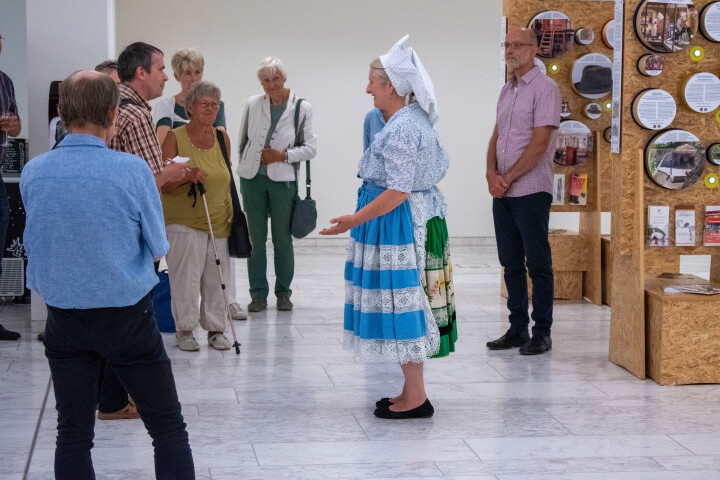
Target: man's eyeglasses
[212,105]
[515,45]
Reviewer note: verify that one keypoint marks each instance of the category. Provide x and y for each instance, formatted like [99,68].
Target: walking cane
[201,187]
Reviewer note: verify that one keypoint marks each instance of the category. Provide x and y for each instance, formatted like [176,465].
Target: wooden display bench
[571,259]
[682,347]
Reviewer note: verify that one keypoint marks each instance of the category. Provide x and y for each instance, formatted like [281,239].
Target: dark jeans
[111,393]
[521,231]
[130,341]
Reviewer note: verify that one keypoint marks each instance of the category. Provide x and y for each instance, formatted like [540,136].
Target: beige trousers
[193,273]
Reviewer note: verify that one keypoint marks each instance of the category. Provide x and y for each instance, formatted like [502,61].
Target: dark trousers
[521,231]
[129,340]
[111,393]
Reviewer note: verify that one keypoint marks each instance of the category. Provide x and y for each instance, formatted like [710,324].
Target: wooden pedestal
[571,257]
[682,334]
[607,269]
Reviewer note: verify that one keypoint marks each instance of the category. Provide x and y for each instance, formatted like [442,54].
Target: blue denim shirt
[94,223]
[374,122]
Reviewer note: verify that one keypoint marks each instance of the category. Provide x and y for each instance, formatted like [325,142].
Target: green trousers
[263,198]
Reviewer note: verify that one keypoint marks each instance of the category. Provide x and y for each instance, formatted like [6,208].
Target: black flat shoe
[384,402]
[425,410]
[8,334]
[509,340]
[538,344]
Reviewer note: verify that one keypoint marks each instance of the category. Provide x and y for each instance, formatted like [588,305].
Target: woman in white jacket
[270,148]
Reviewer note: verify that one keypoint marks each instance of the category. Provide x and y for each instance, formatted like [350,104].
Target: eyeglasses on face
[212,105]
[515,45]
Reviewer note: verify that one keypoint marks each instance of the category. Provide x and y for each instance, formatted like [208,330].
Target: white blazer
[256,122]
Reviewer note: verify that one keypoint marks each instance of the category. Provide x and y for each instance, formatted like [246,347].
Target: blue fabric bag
[161,303]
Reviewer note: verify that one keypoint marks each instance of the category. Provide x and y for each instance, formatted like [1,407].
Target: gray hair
[200,90]
[270,65]
[379,71]
[87,97]
[186,58]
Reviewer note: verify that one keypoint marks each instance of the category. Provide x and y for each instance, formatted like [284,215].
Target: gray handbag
[304,215]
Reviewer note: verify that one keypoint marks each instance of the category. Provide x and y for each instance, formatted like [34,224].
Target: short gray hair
[186,58]
[200,90]
[87,97]
[270,65]
[379,71]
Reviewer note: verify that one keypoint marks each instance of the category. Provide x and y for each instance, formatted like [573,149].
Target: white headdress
[408,75]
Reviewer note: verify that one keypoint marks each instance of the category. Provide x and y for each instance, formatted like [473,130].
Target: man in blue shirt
[94,225]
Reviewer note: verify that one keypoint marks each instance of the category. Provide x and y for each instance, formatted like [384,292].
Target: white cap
[408,75]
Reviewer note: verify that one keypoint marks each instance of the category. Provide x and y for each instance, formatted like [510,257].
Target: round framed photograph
[608,34]
[593,110]
[592,75]
[554,32]
[713,153]
[575,143]
[565,109]
[710,21]
[653,109]
[666,25]
[700,92]
[674,159]
[607,135]
[584,36]
[651,65]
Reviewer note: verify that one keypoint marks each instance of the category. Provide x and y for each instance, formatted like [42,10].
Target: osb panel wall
[592,16]
[678,66]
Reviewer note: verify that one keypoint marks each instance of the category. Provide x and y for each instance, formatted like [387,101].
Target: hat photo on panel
[592,76]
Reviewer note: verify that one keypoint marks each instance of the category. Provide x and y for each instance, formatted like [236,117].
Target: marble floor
[294,405]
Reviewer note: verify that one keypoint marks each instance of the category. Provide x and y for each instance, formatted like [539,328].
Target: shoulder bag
[304,215]
[239,241]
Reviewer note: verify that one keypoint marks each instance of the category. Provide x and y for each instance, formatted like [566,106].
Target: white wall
[61,37]
[13,60]
[326,46]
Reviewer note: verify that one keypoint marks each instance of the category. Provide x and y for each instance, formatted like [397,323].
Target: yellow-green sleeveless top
[178,207]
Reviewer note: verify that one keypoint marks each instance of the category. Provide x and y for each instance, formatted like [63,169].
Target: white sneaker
[219,341]
[186,342]
[236,312]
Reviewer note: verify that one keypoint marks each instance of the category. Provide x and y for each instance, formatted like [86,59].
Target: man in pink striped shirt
[520,179]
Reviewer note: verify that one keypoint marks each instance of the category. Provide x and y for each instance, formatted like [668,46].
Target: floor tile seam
[360,425]
[471,449]
[257,460]
[683,446]
[327,375]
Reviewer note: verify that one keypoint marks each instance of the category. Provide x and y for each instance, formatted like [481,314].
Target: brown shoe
[129,412]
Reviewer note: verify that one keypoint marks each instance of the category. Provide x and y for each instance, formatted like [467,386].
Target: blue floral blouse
[407,155]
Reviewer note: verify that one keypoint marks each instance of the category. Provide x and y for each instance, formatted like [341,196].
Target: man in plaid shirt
[141,68]
[520,179]
[142,78]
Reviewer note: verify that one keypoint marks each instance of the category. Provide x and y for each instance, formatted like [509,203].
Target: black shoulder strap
[223,148]
[297,141]
[58,141]
[128,101]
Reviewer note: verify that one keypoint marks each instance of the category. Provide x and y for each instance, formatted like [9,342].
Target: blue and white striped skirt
[387,314]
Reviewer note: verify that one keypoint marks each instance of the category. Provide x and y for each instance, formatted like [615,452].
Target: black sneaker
[509,340]
[8,334]
[538,344]
[284,304]
[257,305]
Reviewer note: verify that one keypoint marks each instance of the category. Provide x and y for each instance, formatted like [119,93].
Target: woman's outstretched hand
[341,225]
